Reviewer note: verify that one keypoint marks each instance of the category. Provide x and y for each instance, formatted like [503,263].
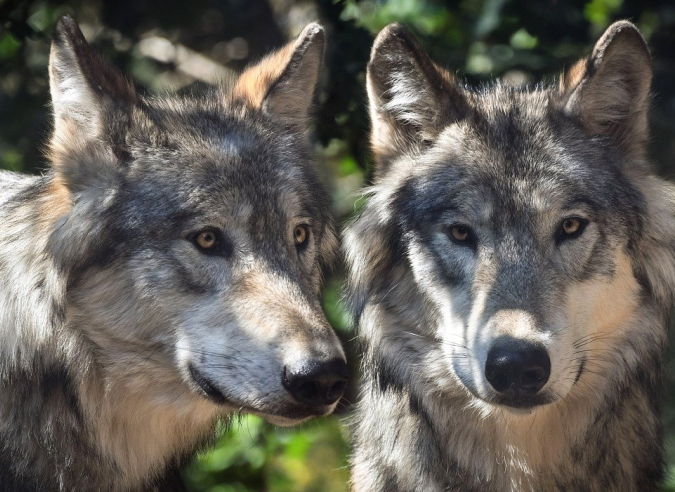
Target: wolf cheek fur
[164,272]
[511,276]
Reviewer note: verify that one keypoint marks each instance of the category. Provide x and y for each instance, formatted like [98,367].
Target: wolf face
[194,233]
[517,213]
[521,260]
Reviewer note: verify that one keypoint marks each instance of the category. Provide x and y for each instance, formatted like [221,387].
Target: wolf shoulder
[12,183]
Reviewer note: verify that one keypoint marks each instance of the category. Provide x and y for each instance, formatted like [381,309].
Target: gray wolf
[511,277]
[163,273]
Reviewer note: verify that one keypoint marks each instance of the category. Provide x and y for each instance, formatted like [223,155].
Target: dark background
[179,45]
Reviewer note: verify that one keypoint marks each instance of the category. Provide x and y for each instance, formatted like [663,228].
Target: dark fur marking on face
[385,377]
[416,405]
[413,217]
[190,281]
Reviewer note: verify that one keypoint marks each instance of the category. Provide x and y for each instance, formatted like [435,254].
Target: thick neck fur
[32,294]
[69,418]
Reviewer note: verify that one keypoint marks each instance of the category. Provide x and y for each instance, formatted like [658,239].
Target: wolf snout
[517,368]
[316,383]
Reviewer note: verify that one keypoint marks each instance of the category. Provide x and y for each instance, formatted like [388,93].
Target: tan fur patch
[254,84]
[607,307]
[140,435]
[57,201]
[573,77]
[66,138]
[272,308]
[283,84]
[271,301]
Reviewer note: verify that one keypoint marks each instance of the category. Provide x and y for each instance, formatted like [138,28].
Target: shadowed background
[177,45]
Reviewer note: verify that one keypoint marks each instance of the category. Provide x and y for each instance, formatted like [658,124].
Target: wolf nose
[317,383]
[517,368]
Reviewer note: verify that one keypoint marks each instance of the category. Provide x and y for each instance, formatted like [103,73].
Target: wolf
[511,277]
[163,273]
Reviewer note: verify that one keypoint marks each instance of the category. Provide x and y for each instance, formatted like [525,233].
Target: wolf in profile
[163,273]
[511,276]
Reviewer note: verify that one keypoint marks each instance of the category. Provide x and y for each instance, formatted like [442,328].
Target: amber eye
[212,242]
[206,239]
[300,234]
[571,226]
[460,233]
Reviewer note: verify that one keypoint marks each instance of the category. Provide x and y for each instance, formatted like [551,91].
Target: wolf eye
[206,240]
[210,242]
[460,233]
[300,235]
[571,227]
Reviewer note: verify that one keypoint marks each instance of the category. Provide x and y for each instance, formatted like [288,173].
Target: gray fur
[106,302]
[511,164]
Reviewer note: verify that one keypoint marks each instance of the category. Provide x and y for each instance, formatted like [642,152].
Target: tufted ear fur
[411,99]
[609,90]
[92,105]
[283,83]
[91,100]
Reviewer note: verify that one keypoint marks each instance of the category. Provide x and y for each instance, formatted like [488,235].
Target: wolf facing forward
[511,277]
[164,272]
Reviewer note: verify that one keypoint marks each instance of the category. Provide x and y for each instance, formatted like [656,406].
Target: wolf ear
[283,83]
[86,92]
[609,90]
[411,99]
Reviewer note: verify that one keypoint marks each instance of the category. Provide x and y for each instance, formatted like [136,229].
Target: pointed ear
[283,83]
[609,91]
[411,99]
[89,97]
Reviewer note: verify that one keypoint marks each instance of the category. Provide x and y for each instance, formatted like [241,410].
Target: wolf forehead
[192,155]
[515,154]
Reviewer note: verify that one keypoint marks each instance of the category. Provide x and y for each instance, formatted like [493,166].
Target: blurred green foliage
[253,455]
[521,42]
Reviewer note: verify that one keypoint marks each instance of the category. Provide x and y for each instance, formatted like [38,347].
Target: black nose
[316,383]
[517,368]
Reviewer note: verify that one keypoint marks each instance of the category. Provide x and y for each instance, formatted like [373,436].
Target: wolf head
[194,232]
[526,220]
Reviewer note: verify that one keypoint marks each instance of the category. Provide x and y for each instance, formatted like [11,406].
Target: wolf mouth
[523,403]
[580,371]
[208,388]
